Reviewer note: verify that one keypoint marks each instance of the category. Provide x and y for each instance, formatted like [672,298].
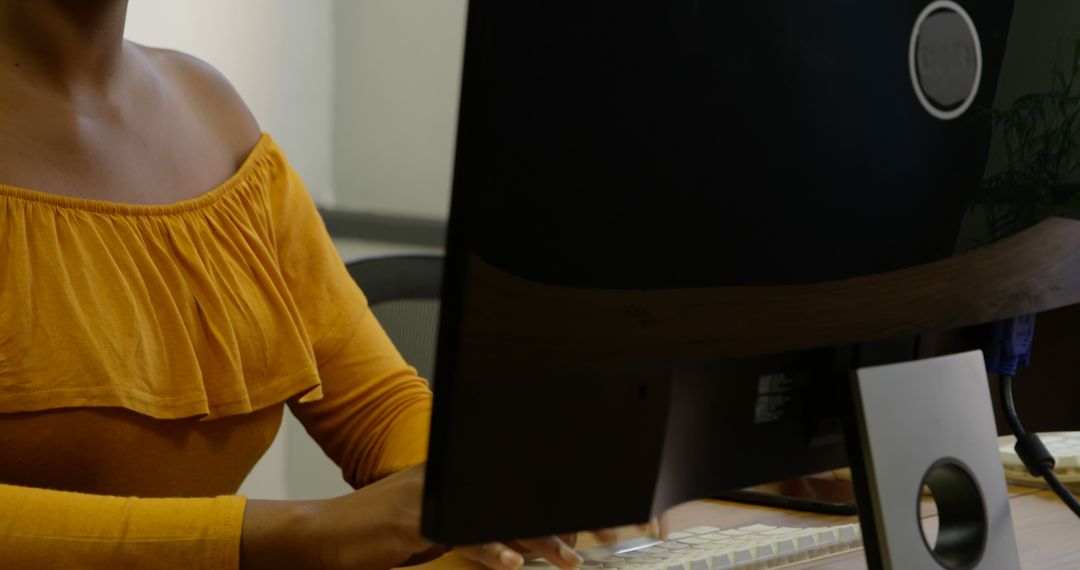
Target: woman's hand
[377,526]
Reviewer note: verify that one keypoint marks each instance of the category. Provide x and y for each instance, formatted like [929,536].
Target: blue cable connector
[1009,345]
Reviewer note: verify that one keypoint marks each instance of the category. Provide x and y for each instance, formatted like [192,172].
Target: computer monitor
[626,168]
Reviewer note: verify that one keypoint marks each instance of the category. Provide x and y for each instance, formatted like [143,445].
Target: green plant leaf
[1076,56]
[1041,135]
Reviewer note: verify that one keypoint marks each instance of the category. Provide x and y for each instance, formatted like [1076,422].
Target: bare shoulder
[209,94]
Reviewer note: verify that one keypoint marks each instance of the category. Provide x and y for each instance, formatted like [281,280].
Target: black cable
[1031,450]
[1009,407]
[1062,491]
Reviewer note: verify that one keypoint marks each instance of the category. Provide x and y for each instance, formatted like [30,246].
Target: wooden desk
[1047,533]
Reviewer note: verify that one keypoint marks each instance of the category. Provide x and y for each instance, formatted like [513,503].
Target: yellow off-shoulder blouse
[146,353]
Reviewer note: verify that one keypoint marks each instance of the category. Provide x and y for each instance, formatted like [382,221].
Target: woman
[166,287]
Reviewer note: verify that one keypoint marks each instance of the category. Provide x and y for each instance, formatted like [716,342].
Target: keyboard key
[702,530]
[734,532]
[805,541]
[782,531]
[764,552]
[713,537]
[758,528]
[847,532]
[785,546]
[1067,461]
[743,555]
[677,535]
[602,552]
[827,536]
[722,560]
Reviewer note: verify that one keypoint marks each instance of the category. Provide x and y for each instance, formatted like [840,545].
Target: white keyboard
[708,548]
[1064,446]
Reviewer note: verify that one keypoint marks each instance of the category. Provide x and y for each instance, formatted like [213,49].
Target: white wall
[361,94]
[396,100]
[277,53]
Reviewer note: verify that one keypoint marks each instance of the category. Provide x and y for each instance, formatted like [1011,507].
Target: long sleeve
[42,528]
[375,411]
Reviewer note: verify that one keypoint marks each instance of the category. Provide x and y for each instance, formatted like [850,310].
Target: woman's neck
[71,45]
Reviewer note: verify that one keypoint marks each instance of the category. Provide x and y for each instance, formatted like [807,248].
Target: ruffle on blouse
[171,311]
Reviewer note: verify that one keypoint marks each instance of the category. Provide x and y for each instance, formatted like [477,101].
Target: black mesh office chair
[403,292]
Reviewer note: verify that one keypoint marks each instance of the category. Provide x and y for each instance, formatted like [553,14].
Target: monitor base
[929,424]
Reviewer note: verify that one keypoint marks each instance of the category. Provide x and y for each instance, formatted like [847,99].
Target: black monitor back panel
[659,143]
[633,144]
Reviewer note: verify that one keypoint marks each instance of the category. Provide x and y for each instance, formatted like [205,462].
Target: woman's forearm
[278,535]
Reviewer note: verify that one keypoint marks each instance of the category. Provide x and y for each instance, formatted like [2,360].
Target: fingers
[570,539]
[501,557]
[663,526]
[493,555]
[554,550]
[657,527]
[606,535]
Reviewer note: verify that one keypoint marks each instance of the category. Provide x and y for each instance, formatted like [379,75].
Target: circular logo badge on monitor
[945,59]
